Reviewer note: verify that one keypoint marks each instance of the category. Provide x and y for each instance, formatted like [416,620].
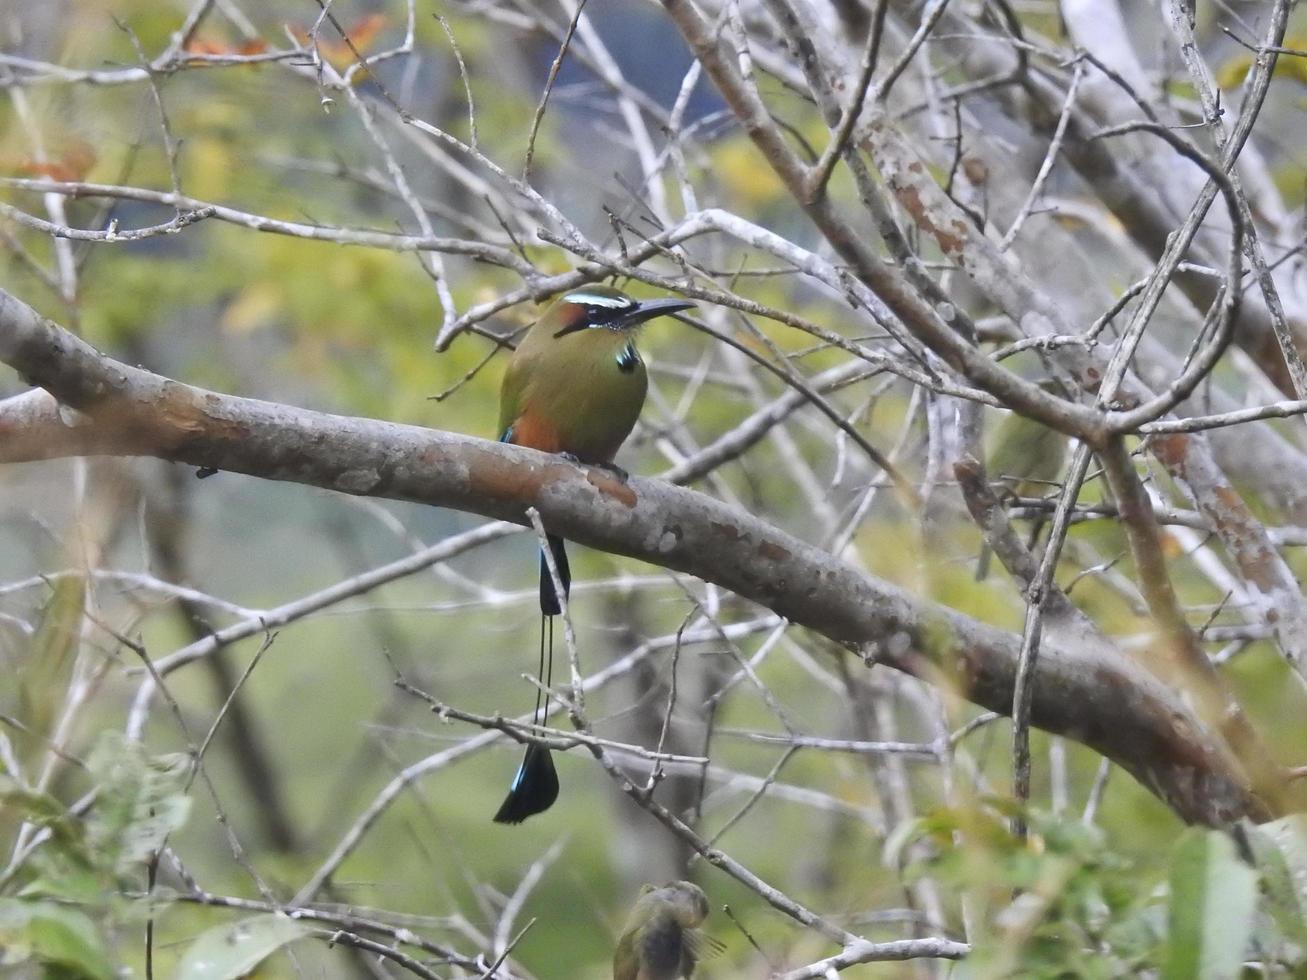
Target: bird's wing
[704,946]
[699,946]
[626,962]
[510,397]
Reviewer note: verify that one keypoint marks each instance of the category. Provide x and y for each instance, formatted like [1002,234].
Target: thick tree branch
[1084,689]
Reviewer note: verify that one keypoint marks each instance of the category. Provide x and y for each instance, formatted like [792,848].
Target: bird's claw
[619,474]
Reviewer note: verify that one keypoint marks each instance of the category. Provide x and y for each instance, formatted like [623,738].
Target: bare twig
[549,87]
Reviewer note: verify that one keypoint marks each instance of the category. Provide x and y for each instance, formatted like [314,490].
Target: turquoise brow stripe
[594,299]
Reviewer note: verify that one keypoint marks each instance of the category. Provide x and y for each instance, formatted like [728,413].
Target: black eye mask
[622,317]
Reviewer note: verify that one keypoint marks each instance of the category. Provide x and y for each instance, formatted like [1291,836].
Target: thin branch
[865,952]
[389,241]
[1050,157]
[128,410]
[464,77]
[539,115]
[112,234]
[822,169]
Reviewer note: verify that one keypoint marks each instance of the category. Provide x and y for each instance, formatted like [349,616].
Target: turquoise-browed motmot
[661,938]
[575,385]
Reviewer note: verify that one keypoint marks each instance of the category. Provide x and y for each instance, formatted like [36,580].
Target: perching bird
[1026,460]
[661,938]
[575,385]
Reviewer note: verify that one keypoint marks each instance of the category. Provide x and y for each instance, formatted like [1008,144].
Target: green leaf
[71,880]
[43,810]
[35,807]
[233,950]
[52,934]
[141,801]
[1281,851]
[1213,898]
[44,678]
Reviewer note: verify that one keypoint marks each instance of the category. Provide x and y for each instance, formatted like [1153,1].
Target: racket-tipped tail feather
[534,789]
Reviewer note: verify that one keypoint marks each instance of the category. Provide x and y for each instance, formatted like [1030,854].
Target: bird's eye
[599,309]
[599,315]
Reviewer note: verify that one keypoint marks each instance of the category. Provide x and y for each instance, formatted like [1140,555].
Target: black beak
[626,319]
[648,309]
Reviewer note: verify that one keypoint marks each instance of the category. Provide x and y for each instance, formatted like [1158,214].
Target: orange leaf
[202,45]
[362,34]
[77,160]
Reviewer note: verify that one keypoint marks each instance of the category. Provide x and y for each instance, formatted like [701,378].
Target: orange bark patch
[1170,449]
[610,486]
[728,531]
[494,478]
[950,242]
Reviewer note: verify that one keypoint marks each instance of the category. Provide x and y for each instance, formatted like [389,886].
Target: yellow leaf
[1233,72]
[256,306]
[740,167]
[44,678]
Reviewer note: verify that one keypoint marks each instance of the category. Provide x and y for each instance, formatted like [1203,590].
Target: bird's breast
[585,404]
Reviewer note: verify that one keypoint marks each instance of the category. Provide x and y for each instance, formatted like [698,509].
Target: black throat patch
[627,358]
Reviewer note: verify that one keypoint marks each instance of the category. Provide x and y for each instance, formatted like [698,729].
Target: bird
[1026,460]
[661,938]
[574,386]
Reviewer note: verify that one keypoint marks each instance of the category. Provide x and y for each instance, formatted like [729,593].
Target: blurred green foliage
[67,901]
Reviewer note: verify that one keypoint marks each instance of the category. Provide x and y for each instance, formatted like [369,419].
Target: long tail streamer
[535,786]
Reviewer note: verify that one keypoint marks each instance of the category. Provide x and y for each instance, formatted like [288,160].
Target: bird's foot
[617,473]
